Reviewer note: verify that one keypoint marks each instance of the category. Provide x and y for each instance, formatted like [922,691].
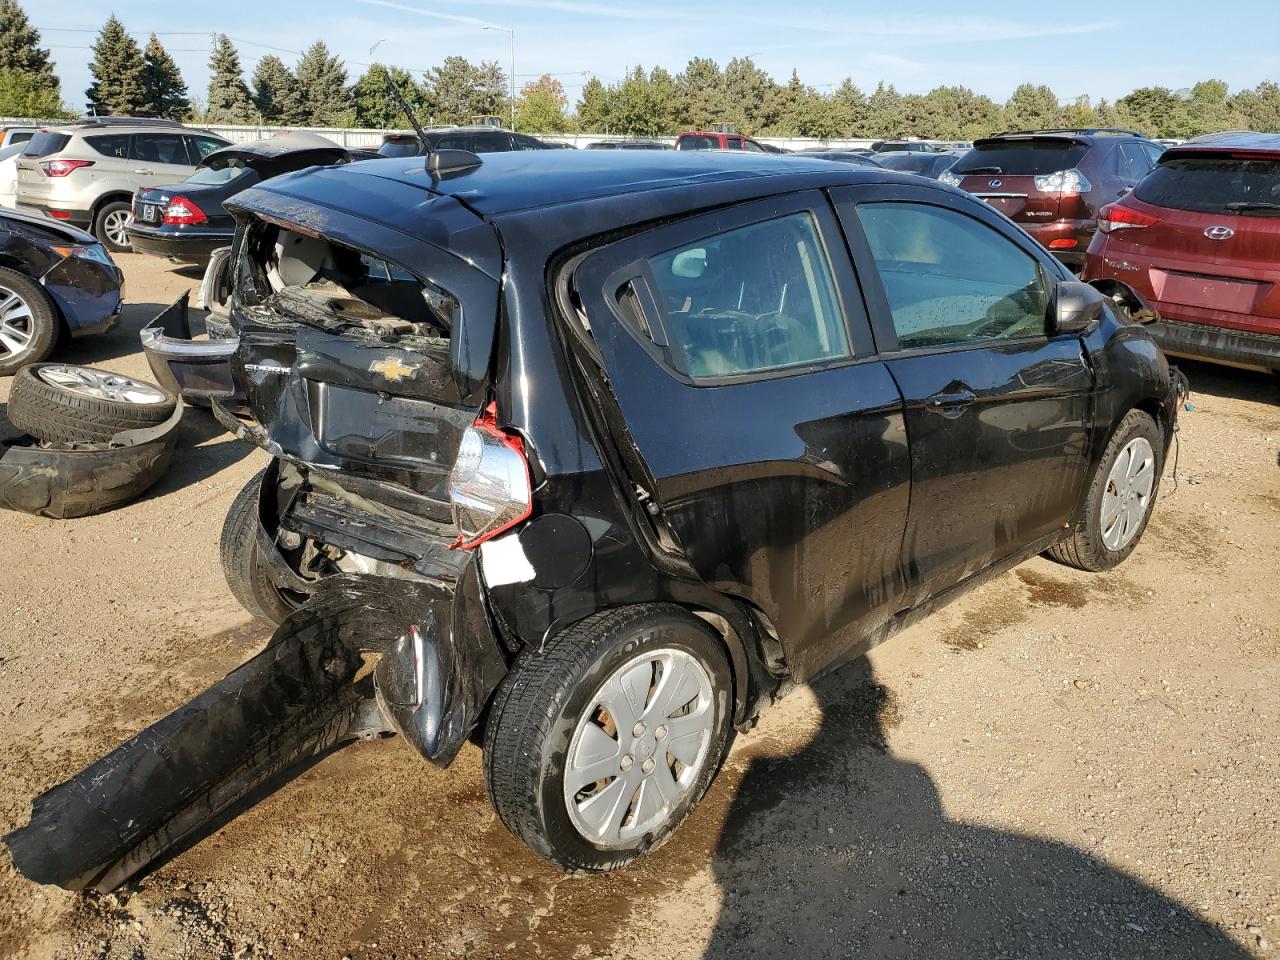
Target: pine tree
[592,112]
[1032,107]
[117,71]
[699,96]
[22,96]
[540,108]
[322,88]
[228,95]
[21,54]
[165,92]
[459,90]
[275,93]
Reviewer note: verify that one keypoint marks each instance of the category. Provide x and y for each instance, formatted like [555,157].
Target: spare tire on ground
[62,403]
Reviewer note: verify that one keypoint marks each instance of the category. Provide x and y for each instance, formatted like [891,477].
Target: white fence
[370,139]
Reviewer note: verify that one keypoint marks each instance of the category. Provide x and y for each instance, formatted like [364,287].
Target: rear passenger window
[159,148]
[110,145]
[951,279]
[753,299]
[1132,162]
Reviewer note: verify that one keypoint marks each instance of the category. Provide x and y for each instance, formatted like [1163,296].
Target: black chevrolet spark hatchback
[597,453]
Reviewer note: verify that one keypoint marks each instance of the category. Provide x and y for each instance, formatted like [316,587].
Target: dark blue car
[55,279]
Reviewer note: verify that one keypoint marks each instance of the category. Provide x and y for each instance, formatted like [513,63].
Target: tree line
[317,91]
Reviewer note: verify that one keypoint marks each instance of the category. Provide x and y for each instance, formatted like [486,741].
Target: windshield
[1212,184]
[1032,158]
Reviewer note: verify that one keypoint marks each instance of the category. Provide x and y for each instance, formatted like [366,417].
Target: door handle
[951,404]
[145,173]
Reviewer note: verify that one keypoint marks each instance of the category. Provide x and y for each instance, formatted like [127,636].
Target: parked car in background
[11,135]
[1052,183]
[1199,238]
[9,175]
[901,146]
[474,139]
[774,148]
[85,173]
[55,279]
[843,156]
[628,145]
[930,165]
[715,140]
[875,394]
[186,221]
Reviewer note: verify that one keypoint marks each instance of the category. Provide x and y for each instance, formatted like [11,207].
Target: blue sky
[1100,49]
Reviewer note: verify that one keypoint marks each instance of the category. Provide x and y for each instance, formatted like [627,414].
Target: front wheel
[1120,498]
[599,745]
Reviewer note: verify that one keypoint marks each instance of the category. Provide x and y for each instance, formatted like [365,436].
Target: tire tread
[57,416]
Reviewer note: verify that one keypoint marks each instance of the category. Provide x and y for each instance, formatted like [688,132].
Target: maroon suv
[1052,183]
[1199,239]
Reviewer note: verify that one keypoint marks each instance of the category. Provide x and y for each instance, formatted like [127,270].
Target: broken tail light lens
[489,489]
[1115,217]
[1064,181]
[182,210]
[60,168]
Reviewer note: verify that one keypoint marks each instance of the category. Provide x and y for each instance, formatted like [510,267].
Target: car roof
[1230,140]
[527,179]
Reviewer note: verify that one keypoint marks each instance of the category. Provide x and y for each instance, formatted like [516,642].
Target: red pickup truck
[711,140]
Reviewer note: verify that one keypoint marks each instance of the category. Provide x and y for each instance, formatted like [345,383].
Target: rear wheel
[28,322]
[600,744]
[243,564]
[110,223]
[1120,498]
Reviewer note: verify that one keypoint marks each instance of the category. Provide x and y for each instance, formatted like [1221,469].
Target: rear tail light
[1064,181]
[182,210]
[60,168]
[950,179]
[1115,217]
[489,488]
[1063,243]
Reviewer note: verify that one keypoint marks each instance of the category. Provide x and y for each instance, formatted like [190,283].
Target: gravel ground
[1060,765]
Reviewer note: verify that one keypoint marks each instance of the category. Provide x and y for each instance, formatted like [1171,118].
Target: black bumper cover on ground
[67,480]
[1217,343]
[196,370]
[303,695]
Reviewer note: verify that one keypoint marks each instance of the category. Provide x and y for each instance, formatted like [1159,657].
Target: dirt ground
[1060,765]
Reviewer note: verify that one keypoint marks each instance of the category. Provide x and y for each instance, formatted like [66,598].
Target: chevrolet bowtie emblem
[393,370]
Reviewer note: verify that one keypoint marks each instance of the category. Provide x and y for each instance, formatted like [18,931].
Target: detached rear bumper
[1220,344]
[196,370]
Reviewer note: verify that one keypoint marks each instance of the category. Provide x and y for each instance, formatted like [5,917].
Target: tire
[540,718]
[108,226]
[62,403]
[29,324]
[242,562]
[1099,543]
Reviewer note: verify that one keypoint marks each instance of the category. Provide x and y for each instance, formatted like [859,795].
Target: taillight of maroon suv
[1052,182]
[1199,239]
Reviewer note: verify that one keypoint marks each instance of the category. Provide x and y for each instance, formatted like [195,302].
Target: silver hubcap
[113,226]
[639,747]
[17,325]
[1128,493]
[101,385]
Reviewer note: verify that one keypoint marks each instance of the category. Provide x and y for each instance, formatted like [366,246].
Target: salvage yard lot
[1061,764]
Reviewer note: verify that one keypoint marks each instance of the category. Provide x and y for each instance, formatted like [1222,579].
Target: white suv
[85,173]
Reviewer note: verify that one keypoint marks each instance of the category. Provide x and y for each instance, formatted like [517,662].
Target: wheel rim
[1128,493]
[639,747]
[17,324]
[113,225]
[101,385]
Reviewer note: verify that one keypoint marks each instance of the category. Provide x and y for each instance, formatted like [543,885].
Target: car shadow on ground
[121,342]
[194,457]
[843,850]
[1215,380]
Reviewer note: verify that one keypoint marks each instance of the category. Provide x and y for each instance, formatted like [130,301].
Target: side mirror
[1075,307]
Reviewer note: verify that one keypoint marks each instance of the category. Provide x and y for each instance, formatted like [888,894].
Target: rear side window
[21,136]
[1032,158]
[110,144]
[1212,184]
[46,142]
[950,279]
[752,299]
[752,147]
[159,148]
[699,143]
[1132,162]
